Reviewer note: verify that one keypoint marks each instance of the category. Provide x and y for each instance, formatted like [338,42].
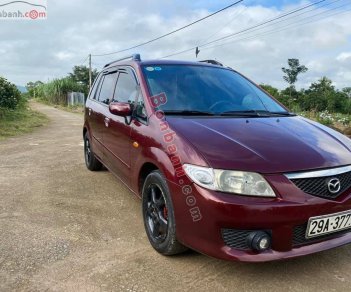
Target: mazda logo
[334,185]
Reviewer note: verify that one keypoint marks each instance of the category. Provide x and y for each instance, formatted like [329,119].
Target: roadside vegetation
[55,91]
[15,115]
[321,102]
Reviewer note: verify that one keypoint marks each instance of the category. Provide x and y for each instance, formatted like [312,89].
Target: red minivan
[221,167]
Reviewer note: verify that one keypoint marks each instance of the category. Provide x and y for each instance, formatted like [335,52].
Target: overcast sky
[45,49]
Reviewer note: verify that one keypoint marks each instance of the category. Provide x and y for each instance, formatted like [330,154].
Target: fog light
[259,240]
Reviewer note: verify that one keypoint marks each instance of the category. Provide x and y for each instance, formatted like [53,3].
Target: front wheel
[158,215]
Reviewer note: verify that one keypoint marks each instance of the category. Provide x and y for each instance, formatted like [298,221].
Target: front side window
[107,87]
[126,90]
[204,88]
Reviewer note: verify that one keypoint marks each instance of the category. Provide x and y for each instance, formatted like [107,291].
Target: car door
[97,110]
[94,117]
[117,135]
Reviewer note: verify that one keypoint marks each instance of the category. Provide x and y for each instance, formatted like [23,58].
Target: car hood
[264,144]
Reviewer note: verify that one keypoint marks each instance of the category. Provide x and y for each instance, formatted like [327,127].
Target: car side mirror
[122,109]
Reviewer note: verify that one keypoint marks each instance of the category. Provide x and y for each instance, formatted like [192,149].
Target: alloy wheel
[87,151]
[157,213]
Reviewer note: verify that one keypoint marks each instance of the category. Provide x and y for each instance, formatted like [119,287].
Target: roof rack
[213,62]
[134,57]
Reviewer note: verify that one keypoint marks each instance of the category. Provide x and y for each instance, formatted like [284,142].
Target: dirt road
[64,228]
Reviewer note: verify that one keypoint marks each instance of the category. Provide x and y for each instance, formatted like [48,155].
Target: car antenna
[197,51]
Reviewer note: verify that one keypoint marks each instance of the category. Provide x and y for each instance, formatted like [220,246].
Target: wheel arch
[144,171]
[157,159]
[85,130]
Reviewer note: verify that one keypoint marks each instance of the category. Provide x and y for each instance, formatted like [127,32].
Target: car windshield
[208,90]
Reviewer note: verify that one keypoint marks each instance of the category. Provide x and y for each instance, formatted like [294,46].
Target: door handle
[90,110]
[107,122]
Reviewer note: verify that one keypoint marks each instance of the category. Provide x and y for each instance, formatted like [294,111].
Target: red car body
[210,221]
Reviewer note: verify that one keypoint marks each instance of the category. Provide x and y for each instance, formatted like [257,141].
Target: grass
[19,121]
[77,109]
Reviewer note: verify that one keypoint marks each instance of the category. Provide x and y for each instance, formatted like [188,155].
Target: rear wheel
[158,215]
[90,160]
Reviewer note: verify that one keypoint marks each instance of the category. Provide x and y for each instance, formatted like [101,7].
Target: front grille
[299,236]
[318,186]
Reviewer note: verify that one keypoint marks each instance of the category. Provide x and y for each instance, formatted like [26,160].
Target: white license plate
[320,225]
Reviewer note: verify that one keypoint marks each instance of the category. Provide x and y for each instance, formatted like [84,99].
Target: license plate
[326,224]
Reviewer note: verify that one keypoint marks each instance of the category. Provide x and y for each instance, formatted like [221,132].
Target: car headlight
[230,181]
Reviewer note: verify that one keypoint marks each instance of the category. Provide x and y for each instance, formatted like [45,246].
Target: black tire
[90,160]
[158,215]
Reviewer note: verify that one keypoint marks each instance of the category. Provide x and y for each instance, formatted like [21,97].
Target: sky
[319,36]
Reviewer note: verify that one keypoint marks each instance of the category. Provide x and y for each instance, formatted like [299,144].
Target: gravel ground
[63,228]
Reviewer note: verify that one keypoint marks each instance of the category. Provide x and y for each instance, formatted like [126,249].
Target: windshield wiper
[285,114]
[189,113]
[248,113]
[255,113]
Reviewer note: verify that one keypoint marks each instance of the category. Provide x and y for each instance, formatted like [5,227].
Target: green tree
[10,96]
[292,72]
[31,87]
[271,90]
[80,75]
[347,91]
[288,97]
[322,95]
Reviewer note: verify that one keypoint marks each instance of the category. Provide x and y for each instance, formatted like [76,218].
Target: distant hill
[22,88]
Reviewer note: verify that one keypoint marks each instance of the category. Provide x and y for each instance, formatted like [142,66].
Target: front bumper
[281,216]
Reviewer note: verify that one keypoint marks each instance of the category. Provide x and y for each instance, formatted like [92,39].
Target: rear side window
[107,87]
[126,90]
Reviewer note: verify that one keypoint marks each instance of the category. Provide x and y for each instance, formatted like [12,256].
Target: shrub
[325,118]
[345,120]
[10,96]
